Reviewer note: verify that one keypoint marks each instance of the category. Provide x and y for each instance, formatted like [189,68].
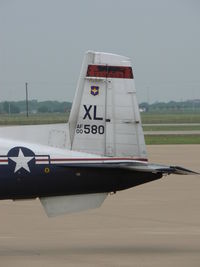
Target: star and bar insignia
[23,159]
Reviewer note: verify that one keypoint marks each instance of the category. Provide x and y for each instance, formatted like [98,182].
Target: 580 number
[91,129]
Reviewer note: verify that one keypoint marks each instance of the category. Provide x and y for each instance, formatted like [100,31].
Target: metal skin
[62,180]
[25,174]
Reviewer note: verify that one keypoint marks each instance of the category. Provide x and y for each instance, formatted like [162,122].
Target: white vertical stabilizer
[105,117]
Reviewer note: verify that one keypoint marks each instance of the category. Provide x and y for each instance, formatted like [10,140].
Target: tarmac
[156,224]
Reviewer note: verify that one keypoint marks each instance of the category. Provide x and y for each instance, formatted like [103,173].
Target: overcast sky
[43,42]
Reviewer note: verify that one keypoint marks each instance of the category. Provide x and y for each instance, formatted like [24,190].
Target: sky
[42,42]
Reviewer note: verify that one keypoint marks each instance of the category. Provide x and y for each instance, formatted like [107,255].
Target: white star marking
[21,161]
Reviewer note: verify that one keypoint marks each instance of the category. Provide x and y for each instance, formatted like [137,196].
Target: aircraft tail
[105,118]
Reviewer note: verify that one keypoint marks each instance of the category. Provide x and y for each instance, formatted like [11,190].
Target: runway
[156,224]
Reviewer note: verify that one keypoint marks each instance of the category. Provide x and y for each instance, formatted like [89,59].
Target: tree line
[172,106]
[35,106]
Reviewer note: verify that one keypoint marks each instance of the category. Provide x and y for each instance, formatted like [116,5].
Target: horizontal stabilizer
[134,166]
[156,168]
[180,170]
[59,205]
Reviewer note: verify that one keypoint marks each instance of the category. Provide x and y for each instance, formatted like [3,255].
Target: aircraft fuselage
[26,173]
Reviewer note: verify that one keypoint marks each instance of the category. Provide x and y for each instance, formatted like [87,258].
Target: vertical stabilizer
[105,117]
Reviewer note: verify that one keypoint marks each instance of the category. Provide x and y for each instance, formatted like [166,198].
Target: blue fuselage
[55,180]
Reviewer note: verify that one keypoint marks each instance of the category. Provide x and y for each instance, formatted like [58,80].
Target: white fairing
[107,123]
[55,206]
[53,135]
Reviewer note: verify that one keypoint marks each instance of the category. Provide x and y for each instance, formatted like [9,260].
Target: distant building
[142,109]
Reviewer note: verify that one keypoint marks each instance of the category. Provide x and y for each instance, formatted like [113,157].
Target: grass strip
[172,139]
[147,118]
[48,118]
[170,118]
[171,128]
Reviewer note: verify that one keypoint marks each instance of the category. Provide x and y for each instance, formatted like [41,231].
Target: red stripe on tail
[105,71]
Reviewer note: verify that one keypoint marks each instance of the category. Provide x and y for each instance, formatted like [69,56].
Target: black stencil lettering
[95,114]
[87,112]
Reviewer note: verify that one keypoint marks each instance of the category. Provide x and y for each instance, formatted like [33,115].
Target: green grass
[33,119]
[170,117]
[172,139]
[46,118]
[171,128]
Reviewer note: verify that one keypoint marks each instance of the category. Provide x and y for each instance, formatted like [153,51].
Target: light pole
[26,85]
